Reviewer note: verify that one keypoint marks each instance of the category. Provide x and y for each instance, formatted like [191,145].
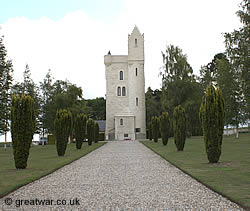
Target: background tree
[46,88]
[228,82]
[6,70]
[153,104]
[96,132]
[212,116]
[180,87]
[179,127]
[64,96]
[97,108]
[164,127]
[209,72]
[80,129]
[22,128]
[155,128]
[63,127]
[237,50]
[225,76]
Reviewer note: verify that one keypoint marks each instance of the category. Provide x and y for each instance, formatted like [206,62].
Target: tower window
[135,42]
[121,121]
[136,71]
[121,75]
[136,101]
[124,91]
[118,91]
[137,130]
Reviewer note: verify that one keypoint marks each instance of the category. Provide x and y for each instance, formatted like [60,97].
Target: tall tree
[227,80]
[237,49]
[46,87]
[180,87]
[209,72]
[6,70]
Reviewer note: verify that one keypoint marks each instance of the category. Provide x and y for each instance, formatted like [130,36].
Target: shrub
[90,131]
[155,128]
[179,127]
[164,127]
[80,129]
[212,118]
[150,131]
[63,126]
[22,128]
[96,132]
[101,136]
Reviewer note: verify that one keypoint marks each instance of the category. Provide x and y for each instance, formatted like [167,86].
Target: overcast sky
[71,37]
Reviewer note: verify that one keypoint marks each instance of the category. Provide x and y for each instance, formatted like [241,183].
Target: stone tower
[125,91]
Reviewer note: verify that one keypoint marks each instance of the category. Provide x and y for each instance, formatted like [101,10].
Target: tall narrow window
[121,121]
[121,75]
[118,91]
[136,71]
[124,91]
[135,42]
[136,101]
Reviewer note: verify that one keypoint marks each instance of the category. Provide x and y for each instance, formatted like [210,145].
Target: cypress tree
[22,128]
[63,126]
[96,132]
[179,127]
[212,118]
[164,127]
[90,131]
[150,131]
[155,128]
[80,129]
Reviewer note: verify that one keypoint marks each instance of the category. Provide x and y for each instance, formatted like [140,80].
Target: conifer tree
[63,127]
[150,131]
[164,127]
[155,128]
[22,128]
[80,129]
[212,117]
[179,127]
[96,132]
[90,131]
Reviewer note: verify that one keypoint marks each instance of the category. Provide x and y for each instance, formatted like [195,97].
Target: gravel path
[120,175]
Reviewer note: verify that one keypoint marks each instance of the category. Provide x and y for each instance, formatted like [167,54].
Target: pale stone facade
[125,91]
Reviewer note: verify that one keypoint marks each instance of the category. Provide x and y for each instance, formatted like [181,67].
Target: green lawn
[42,161]
[230,177]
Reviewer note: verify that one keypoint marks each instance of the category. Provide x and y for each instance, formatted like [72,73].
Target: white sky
[74,46]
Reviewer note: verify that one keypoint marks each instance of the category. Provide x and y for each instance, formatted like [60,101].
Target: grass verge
[230,177]
[42,161]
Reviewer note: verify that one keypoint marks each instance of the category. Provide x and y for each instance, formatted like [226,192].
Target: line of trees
[49,96]
[228,70]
